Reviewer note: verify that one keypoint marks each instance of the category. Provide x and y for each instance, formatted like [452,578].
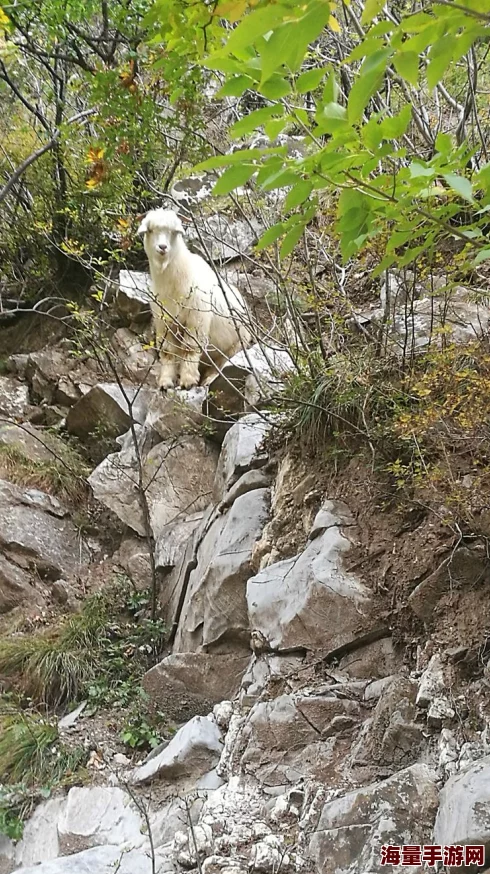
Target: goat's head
[162,229]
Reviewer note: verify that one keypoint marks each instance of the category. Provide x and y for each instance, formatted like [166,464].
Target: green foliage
[95,653]
[33,761]
[64,476]
[368,150]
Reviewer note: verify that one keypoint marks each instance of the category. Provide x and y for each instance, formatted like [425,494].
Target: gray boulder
[192,752]
[187,684]
[352,829]
[215,608]
[309,601]
[108,410]
[98,815]
[14,398]
[36,533]
[241,451]
[177,479]
[464,810]
[133,296]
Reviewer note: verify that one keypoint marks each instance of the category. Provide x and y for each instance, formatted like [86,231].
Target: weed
[64,477]
[90,654]
[32,762]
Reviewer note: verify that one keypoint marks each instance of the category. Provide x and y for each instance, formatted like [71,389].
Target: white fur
[195,319]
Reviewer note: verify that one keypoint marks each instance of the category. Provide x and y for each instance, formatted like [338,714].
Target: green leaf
[290,240]
[256,118]
[370,78]
[331,89]
[235,87]
[395,127]
[461,185]
[406,65]
[441,55]
[330,117]
[270,236]
[309,80]
[417,170]
[275,88]
[483,255]
[298,194]
[273,128]
[443,144]
[255,24]
[238,157]
[372,8]
[233,178]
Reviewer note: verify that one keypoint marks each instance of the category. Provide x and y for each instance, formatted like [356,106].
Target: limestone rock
[391,738]
[193,190]
[464,810]
[225,239]
[248,482]
[16,586]
[352,829]
[33,443]
[309,602]
[134,557]
[36,533]
[178,411]
[189,683]
[14,398]
[215,609]
[40,841]
[173,537]
[107,409]
[250,376]
[178,478]
[98,815]
[135,360]
[194,750]
[240,452]
[263,670]
[133,296]
[99,860]
[330,514]
[431,682]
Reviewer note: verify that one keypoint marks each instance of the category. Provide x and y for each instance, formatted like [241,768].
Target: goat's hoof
[166,386]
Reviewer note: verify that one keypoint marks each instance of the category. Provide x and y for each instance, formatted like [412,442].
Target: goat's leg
[189,371]
[169,352]
[194,343]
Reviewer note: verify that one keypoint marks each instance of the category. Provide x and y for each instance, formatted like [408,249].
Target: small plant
[64,476]
[92,654]
[32,762]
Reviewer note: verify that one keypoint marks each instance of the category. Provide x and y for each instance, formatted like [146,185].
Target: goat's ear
[143,226]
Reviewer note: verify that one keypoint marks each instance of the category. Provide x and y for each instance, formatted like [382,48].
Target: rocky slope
[316,724]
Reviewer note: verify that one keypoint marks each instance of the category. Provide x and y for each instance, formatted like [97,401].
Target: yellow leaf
[232,10]
[334,25]
[91,183]
[95,154]
[123,223]
[4,19]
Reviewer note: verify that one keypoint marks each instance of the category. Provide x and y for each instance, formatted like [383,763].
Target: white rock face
[40,841]
[464,812]
[178,478]
[240,452]
[14,398]
[194,750]
[99,860]
[309,601]
[98,815]
[215,608]
[352,829]
[36,533]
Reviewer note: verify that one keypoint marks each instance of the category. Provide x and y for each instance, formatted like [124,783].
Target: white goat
[196,318]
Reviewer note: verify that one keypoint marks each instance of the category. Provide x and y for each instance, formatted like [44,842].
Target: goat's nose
[162,248]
